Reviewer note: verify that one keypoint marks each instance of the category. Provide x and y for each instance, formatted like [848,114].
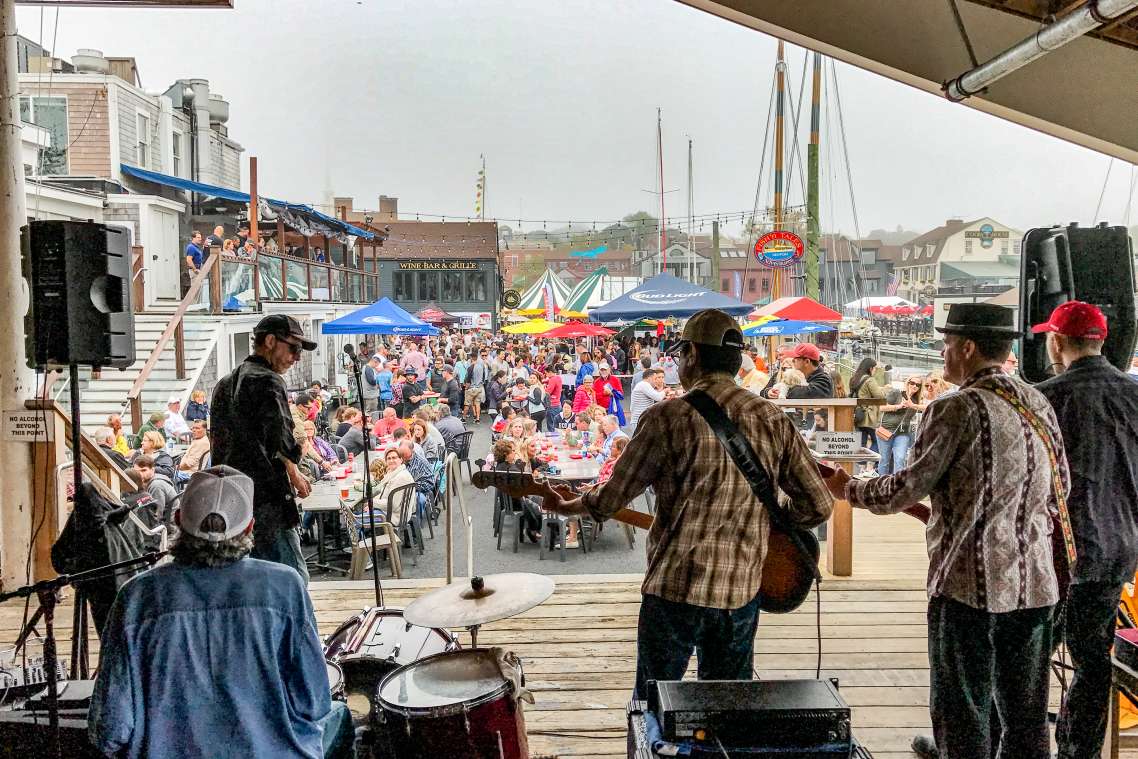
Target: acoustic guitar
[789,570]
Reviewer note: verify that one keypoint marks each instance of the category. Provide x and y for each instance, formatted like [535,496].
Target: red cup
[345,493]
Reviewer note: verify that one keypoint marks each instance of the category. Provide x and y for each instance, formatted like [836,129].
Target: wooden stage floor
[578,648]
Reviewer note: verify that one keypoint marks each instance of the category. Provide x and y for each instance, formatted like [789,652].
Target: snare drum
[335,681]
[376,642]
[459,704]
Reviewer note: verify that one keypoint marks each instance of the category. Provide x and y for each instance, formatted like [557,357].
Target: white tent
[861,307]
[533,299]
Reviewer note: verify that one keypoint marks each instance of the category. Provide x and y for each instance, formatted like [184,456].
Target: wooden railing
[176,330]
[49,505]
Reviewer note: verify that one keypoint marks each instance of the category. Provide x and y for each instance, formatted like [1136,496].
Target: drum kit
[427,696]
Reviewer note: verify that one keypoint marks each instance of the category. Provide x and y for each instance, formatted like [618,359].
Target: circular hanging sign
[779,249]
[511,298]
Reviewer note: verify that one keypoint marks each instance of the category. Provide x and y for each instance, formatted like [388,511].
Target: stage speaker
[79,280]
[1092,264]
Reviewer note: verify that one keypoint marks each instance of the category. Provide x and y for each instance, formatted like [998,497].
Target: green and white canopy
[533,299]
[586,295]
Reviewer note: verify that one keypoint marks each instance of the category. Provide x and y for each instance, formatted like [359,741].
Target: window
[869,257]
[452,286]
[752,285]
[766,285]
[50,113]
[142,155]
[428,285]
[1004,247]
[724,285]
[967,247]
[475,285]
[512,262]
[403,283]
[176,143]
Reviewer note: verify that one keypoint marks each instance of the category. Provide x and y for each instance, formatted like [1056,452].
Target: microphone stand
[367,477]
[48,593]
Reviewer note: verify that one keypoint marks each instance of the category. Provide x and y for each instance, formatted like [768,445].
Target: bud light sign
[779,250]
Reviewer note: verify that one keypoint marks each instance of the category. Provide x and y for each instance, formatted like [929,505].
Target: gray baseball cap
[220,490]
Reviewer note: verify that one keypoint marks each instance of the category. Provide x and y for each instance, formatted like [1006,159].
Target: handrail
[173,329]
[93,456]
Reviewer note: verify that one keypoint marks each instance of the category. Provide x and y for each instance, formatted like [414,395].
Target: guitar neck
[519,484]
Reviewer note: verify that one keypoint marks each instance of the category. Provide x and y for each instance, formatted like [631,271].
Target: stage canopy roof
[785,327]
[665,295]
[1085,91]
[380,318]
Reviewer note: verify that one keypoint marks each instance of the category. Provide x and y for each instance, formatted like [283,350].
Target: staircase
[99,398]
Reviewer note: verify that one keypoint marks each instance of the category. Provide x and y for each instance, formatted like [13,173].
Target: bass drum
[376,642]
[460,705]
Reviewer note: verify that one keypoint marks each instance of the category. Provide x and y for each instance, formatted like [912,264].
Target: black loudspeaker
[1092,264]
[78,275]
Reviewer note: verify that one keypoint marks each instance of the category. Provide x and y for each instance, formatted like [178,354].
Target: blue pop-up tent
[665,295]
[380,318]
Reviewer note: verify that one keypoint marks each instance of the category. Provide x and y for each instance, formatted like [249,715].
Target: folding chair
[361,543]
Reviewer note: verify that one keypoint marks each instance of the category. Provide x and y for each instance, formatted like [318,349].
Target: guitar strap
[741,452]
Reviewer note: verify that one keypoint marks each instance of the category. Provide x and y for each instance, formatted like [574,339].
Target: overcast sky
[370,97]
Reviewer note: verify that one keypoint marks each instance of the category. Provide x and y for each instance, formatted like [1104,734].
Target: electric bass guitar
[788,572]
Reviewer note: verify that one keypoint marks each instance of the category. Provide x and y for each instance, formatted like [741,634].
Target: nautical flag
[894,283]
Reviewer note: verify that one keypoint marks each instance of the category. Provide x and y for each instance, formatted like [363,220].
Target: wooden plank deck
[578,648]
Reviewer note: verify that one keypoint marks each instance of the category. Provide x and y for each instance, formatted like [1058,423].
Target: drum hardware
[482,600]
[335,681]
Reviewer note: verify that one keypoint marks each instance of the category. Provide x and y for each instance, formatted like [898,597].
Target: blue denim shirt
[218,662]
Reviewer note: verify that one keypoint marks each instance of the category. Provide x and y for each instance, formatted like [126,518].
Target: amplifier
[785,717]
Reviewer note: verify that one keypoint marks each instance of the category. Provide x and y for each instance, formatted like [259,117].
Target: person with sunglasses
[253,433]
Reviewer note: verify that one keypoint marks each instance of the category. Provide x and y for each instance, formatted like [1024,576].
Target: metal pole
[813,226]
[17,381]
[1086,18]
[660,166]
[779,138]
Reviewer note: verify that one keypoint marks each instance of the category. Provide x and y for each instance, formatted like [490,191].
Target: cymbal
[479,600]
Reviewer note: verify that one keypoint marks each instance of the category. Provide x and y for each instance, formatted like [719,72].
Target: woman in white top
[397,476]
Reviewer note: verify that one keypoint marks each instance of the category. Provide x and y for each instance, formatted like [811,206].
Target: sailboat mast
[660,179]
[691,219]
[483,216]
[813,226]
[779,150]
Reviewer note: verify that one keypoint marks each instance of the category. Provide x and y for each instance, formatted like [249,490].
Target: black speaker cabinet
[78,274]
[1091,264]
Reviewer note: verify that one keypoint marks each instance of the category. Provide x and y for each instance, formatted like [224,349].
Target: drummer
[215,654]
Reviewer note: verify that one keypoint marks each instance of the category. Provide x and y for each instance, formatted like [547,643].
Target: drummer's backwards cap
[712,327]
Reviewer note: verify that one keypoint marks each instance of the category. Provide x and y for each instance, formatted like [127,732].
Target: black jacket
[1097,409]
[252,430]
[452,395]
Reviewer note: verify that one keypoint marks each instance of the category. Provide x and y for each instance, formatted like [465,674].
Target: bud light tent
[665,295]
[380,318]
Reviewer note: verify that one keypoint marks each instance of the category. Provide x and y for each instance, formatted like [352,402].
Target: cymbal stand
[47,591]
[368,496]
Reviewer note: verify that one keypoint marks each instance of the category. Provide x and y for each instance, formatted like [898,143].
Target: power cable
[1102,193]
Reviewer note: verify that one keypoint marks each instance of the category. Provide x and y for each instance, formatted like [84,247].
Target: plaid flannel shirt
[709,539]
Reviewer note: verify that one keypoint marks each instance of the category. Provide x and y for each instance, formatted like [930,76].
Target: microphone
[350,350]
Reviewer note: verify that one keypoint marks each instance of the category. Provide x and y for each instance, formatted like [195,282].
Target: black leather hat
[980,320]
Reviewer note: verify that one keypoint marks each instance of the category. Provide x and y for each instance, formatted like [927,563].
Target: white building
[959,254]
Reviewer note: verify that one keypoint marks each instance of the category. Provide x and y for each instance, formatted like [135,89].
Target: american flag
[894,283]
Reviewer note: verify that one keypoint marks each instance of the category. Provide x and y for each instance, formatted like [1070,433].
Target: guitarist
[991,457]
[707,545]
[252,431]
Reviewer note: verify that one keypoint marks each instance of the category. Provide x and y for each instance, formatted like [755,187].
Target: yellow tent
[530,327]
[759,322]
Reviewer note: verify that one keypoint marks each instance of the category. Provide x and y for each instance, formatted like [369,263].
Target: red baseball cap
[807,350]
[1075,319]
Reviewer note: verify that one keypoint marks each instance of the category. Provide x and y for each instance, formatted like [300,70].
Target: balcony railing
[281,278]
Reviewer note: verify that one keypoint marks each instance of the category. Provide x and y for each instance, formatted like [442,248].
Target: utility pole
[813,227]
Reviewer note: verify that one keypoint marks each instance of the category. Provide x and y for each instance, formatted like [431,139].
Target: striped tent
[586,295]
[533,300]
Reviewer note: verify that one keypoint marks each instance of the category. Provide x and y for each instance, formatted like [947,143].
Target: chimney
[950,222]
[343,207]
[388,208]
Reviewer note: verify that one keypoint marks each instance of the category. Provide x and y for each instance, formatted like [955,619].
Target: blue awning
[241,197]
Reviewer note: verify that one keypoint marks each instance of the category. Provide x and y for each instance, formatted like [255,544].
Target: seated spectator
[618,446]
[215,621]
[516,431]
[395,475]
[153,422]
[300,408]
[418,430]
[105,439]
[198,408]
[506,458]
[199,447]
[519,394]
[354,441]
[387,423]
[346,415]
[318,450]
[505,414]
[175,424]
[449,425]
[159,487]
[403,434]
[154,445]
[560,418]
[610,428]
[114,421]
[428,415]
[583,397]
[421,470]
